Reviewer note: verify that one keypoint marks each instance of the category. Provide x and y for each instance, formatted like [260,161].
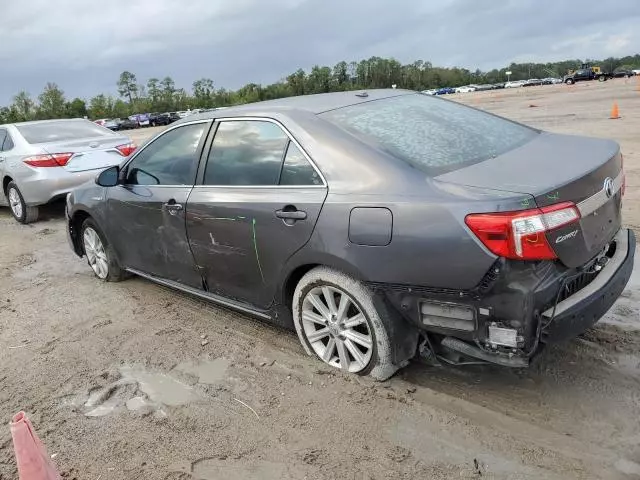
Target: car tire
[330,337]
[22,212]
[100,254]
[569,81]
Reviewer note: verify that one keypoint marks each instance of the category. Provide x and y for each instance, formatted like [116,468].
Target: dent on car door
[256,204]
[146,213]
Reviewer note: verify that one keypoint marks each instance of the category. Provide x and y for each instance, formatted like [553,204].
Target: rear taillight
[127,149]
[520,235]
[51,160]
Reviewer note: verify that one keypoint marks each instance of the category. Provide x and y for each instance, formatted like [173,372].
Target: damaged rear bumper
[510,315]
[582,310]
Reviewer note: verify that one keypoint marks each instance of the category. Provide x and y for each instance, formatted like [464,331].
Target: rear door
[256,204]
[147,212]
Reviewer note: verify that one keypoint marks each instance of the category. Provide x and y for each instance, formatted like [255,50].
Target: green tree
[23,108]
[99,107]
[128,86]
[76,108]
[52,102]
[168,87]
[340,75]
[203,91]
[296,82]
[155,93]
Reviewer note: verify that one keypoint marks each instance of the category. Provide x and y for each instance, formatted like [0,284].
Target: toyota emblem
[608,187]
[94,145]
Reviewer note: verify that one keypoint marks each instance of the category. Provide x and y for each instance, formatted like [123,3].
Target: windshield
[434,135]
[61,130]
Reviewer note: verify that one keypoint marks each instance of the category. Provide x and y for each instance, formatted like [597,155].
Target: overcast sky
[83,45]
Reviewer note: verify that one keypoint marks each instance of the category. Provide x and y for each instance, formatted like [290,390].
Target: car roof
[317,103]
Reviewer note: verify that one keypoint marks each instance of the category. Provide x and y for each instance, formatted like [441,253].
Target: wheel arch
[75,228]
[5,183]
[295,271]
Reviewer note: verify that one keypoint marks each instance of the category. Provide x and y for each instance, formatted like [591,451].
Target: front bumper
[582,310]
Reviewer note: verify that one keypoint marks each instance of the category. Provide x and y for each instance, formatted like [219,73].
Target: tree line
[162,95]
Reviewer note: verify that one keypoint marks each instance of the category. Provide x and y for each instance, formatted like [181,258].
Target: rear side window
[296,169]
[3,136]
[434,135]
[8,143]
[246,152]
[61,130]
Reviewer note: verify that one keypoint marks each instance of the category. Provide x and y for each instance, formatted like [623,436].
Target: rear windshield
[434,135]
[61,131]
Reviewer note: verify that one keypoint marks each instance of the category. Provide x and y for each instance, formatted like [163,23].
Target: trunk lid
[90,153]
[554,169]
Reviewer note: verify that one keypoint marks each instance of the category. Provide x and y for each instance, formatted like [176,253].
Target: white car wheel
[22,212]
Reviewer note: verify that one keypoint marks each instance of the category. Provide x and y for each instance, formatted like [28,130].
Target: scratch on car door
[255,247]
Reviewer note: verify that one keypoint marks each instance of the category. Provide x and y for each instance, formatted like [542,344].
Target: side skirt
[224,302]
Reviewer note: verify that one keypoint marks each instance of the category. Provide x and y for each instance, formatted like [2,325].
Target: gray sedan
[44,160]
[377,224]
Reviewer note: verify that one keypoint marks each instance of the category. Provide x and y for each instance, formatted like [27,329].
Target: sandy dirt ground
[133,381]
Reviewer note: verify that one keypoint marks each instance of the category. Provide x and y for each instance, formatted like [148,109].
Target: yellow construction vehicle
[585,66]
[586,72]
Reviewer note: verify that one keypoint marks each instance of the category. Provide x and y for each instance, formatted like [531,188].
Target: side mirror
[108,177]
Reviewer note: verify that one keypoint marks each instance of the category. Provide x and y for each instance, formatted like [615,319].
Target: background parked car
[141,118]
[113,124]
[445,91]
[465,89]
[622,73]
[128,124]
[157,119]
[532,82]
[43,160]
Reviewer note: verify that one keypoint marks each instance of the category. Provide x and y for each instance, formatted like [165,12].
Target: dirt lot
[133,381]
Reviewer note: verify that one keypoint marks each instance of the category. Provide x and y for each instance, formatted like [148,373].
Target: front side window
[171,159]
[246,152]
[3,135]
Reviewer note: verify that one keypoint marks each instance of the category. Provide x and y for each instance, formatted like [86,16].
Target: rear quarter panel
[430,244]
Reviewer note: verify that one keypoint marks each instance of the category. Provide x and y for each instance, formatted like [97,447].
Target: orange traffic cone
[31,455]
[615,114]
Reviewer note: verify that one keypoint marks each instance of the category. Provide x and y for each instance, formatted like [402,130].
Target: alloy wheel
[15,202]
[96,255]
[336,329]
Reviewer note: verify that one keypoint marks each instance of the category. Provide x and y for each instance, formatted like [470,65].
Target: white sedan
[465,89]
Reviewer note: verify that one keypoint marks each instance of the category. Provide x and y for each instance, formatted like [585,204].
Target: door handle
[172,207]
[291,214]
[2,159]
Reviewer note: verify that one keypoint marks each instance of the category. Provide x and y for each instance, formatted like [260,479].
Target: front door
[149,207]
[258,204]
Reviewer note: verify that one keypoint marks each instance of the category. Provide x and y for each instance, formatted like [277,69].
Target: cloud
[83,45]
